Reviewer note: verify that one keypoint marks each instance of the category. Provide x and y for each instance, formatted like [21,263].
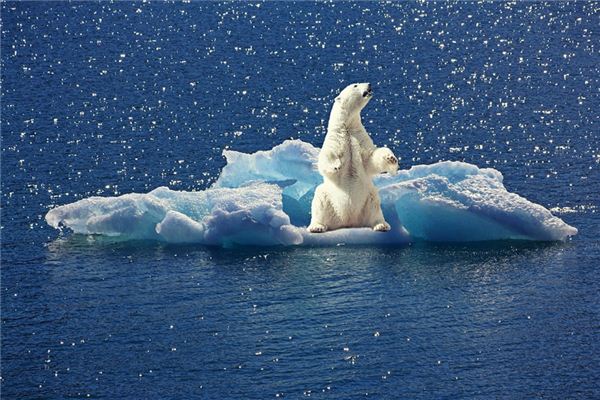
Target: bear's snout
[368,92]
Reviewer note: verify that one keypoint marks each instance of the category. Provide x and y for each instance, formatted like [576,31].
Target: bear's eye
[355,85]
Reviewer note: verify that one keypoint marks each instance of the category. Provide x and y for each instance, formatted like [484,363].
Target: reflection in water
[284,318]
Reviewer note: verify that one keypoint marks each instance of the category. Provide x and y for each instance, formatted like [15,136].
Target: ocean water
[112,98]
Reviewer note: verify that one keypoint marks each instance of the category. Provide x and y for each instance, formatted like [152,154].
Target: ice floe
[264,199]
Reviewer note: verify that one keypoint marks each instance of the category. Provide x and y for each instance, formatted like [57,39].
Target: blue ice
[264,199]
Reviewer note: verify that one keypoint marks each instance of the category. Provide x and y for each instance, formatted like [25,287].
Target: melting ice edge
[264,198]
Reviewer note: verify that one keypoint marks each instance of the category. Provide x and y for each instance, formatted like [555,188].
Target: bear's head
[354,97]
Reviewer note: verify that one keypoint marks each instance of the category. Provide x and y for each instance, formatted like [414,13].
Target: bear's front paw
[336,165]
[384,161]
[391,162]
[317,228]
[382,227]
[391,159]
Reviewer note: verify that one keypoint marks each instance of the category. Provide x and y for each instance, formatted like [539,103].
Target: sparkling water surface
[106,99]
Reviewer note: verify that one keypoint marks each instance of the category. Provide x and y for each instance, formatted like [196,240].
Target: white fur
[348,160]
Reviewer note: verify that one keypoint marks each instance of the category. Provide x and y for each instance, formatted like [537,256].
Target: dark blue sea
[117,97]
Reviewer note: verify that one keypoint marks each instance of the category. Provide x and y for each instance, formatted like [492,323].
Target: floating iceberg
[264,199]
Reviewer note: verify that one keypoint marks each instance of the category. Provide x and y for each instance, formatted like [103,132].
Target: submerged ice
[264,198]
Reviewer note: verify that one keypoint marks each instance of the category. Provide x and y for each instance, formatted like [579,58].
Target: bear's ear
[338,98]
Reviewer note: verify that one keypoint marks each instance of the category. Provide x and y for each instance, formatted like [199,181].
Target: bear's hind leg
[320,209]
[373,214]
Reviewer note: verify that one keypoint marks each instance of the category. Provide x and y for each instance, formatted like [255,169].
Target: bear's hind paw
[382,227]
[317,228]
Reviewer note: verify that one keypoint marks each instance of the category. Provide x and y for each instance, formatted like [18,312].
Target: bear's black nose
[369,87]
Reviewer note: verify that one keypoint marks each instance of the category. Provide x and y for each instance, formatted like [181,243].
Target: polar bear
[348,161]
